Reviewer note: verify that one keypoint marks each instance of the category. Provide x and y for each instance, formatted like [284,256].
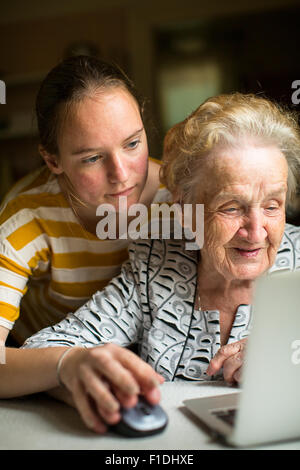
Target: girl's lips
[248,253]
[126,192]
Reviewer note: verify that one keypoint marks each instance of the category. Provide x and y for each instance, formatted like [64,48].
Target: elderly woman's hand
[104,378]
[230,357]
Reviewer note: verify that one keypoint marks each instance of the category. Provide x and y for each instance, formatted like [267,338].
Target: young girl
[93,141]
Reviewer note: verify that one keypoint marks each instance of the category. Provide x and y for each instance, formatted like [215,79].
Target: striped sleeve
[22,247]
[14,274]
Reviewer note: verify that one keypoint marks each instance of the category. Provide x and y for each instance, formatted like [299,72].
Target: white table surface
[41,423]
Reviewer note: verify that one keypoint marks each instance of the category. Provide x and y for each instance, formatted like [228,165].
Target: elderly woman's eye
[231,210]
[271,209]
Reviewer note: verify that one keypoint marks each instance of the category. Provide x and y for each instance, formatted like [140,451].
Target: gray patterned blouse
[151,304]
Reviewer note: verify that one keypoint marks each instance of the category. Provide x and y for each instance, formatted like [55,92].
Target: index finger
[125,370]
[223,353]
[143,373]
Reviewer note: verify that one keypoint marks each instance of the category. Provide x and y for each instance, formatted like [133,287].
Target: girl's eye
[92,159]
[133,144]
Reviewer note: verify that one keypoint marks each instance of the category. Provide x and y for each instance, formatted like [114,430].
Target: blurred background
[177,52]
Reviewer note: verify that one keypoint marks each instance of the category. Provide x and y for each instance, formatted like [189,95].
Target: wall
[258,40]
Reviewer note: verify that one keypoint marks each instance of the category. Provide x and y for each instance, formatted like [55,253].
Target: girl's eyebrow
[85,150]
[135,134]
[89,150]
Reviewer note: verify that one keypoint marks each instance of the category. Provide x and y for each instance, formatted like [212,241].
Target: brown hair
[69,82]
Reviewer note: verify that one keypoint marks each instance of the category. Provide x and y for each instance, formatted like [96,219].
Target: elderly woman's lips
[248,253]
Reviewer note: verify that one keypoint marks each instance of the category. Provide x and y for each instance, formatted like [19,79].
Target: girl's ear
[51,161]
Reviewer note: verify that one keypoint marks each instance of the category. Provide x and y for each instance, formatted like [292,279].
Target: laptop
[267,406]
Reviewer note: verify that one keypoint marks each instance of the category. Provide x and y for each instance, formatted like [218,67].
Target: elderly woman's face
[243,191]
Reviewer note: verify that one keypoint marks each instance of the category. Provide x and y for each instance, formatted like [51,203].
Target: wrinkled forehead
[247,166]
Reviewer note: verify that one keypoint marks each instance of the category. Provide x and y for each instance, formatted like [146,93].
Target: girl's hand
[104,378]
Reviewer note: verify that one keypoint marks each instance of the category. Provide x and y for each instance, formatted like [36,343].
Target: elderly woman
[188,311]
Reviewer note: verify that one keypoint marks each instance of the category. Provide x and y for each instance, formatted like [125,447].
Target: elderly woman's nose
[253,228]
[117,170]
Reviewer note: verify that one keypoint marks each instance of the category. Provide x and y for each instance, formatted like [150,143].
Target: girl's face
[103,149]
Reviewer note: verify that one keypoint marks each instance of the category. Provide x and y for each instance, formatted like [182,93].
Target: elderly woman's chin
[249,266]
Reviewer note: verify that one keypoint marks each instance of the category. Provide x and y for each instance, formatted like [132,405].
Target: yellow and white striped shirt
[49,264]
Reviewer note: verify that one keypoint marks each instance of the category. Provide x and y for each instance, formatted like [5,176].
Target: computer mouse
[143,419]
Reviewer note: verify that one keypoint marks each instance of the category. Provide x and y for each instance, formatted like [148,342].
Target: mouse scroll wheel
[145,410]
